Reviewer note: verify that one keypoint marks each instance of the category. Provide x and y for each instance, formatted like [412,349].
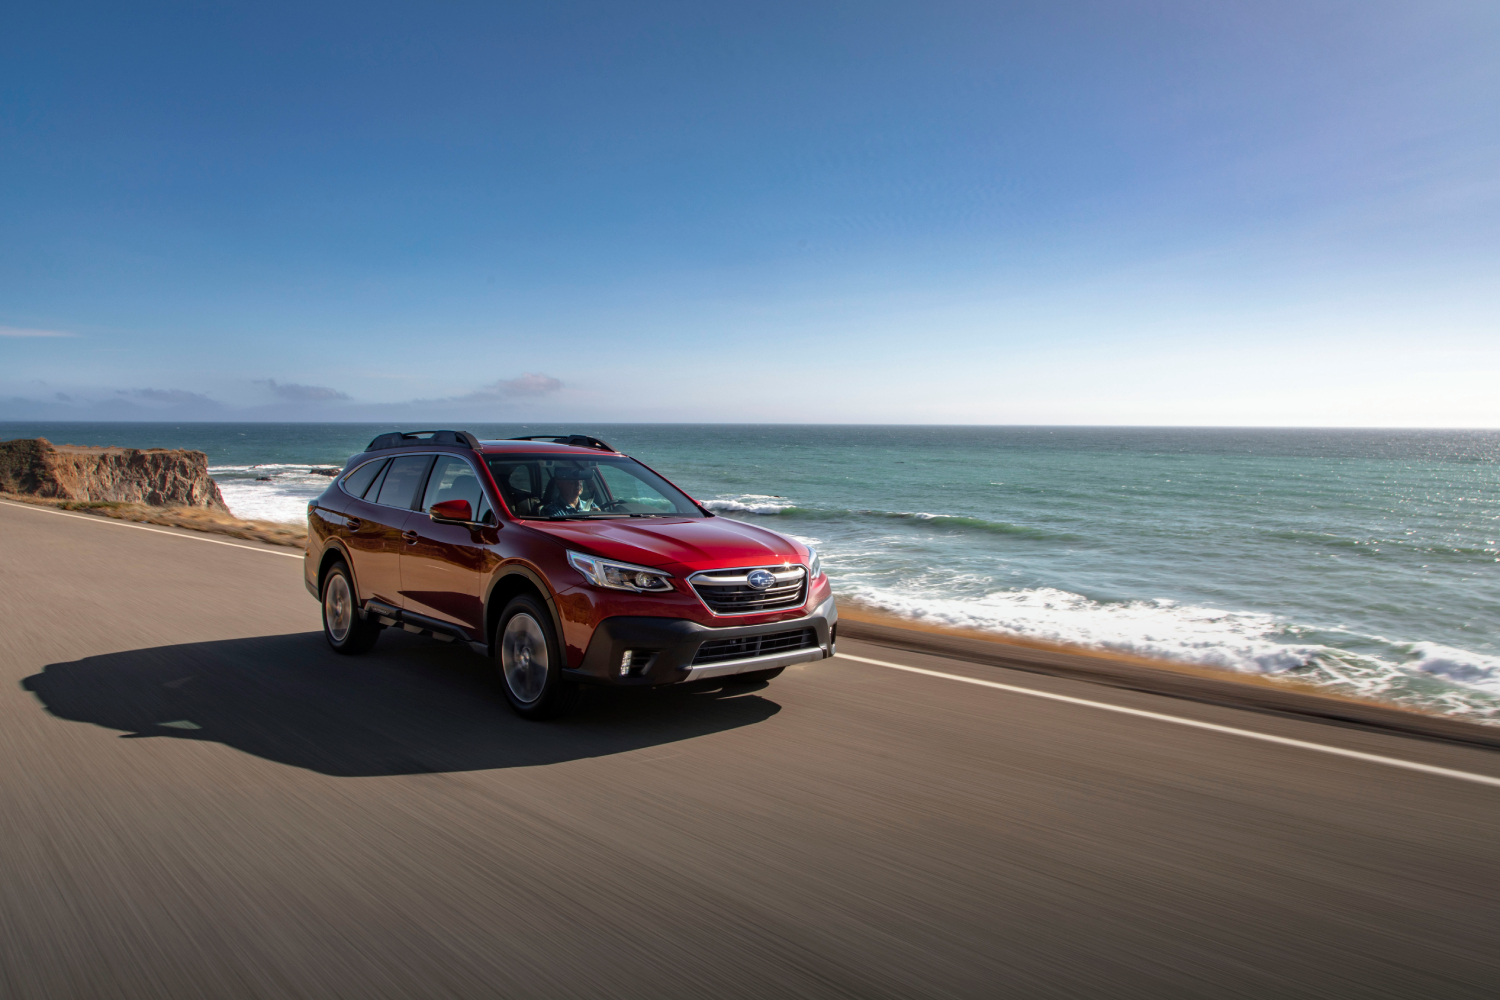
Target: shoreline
[1177,679]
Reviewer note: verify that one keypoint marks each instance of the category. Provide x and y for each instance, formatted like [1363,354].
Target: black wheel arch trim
[340,554]
[538,583]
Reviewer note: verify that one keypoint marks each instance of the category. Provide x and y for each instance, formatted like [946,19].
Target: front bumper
[671,650]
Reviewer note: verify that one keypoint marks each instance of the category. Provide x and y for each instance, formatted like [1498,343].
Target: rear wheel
[530,661]
[343,627]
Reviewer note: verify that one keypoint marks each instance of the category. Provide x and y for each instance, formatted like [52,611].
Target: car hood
[688,544]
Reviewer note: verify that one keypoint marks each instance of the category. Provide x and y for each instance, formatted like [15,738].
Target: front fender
[505,571]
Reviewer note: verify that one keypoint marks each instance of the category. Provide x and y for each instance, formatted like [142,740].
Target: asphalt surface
[198,799]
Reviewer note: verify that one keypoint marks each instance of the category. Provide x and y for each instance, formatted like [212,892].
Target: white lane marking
[1408,765]
[126,524]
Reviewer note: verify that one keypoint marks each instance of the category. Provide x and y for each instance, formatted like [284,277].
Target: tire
[528,659]
[343,627]
[754,676]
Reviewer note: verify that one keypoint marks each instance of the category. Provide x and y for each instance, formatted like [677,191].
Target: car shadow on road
[412,706]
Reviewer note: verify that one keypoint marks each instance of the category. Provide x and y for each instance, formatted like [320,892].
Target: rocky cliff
[160,477]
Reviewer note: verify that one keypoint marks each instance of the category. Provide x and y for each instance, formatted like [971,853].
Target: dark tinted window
[374,490]
[356,482]
[401,482]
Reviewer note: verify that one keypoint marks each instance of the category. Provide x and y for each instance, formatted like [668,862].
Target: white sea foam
[283,498]
[750,503]
[1236,640]
[1458,665]
[1243,641]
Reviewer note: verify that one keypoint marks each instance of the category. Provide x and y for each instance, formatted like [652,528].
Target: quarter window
[356,482]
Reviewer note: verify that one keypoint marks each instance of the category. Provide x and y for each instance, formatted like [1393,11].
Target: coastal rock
[160,477]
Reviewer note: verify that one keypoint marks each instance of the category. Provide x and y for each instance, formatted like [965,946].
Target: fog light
[625,663]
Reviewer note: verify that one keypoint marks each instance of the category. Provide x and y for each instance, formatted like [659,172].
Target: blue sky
[1136,213]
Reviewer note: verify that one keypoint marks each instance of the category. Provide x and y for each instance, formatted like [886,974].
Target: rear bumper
[671,651]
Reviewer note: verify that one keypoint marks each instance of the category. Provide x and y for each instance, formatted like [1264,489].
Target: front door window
[454,479]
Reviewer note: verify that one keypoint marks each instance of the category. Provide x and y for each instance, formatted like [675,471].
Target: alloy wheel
[523,657]
[338,607]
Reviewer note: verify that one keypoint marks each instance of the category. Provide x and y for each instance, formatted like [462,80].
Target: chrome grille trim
[727,592]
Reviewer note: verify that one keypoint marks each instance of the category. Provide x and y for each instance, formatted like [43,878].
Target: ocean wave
[786,508]
[1226,639]
[273,501]
[1459,665]
[1328,540]
[973,523]
[749,504]
[1426,675]
[272,468]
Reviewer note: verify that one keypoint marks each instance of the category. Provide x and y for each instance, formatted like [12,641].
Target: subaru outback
[561,560]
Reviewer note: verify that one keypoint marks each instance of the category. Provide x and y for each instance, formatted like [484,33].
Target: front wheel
[344,629]
[530,661]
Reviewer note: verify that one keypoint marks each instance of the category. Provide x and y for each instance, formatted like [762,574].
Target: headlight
[618,575]
[814,563]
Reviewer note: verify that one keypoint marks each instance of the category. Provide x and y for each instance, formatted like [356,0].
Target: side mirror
[452,510]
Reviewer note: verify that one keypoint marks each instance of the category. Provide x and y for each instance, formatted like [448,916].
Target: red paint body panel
[685,544]
[443,571]
[373,537]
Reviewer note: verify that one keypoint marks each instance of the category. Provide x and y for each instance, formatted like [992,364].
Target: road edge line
[1408,765]
[141,527]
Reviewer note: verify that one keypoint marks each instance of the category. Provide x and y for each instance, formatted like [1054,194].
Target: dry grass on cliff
[194,518]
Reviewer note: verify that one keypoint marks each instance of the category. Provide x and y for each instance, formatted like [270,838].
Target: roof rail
[576,440]
[399,439]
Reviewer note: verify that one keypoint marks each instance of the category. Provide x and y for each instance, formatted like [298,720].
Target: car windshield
[564,486]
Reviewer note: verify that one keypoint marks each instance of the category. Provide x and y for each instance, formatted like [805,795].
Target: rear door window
[399,488]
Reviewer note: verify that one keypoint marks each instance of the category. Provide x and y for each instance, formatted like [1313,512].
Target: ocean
[1366,561]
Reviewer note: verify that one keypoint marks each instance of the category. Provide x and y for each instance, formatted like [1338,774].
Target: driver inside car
[566,491]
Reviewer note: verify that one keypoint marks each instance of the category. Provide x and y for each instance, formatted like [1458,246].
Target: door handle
[410,536]
[353,523]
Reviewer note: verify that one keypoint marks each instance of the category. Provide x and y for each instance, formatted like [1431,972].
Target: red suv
[566,561]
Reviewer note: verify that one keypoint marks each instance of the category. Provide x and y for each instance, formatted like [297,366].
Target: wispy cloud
[533,393]
[16,331]
[304,393]
[506,390]
[529,384]
[178,396]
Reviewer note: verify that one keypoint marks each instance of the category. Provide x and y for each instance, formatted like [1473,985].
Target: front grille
[727,592]
[719,650]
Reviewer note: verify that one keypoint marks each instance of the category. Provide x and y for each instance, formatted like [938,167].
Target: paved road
[384,827]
